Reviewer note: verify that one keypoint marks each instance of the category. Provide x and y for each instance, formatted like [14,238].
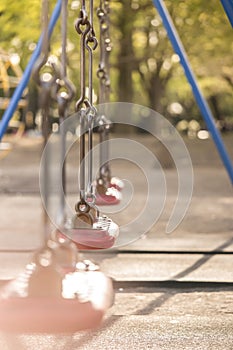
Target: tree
[207,37]
[20,26]
[144,67]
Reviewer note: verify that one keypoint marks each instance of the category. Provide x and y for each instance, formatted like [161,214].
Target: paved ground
[172,291]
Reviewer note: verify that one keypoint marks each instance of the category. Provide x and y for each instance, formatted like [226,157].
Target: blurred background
[144,68]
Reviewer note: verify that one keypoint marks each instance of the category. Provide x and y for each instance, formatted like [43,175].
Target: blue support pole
[27,73]
[228,7]
[206,112]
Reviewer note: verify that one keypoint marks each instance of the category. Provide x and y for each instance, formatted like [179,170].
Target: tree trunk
[126,54]
[214,103]
[155,93]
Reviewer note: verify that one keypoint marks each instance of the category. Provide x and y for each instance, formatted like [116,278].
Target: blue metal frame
[27,73]
[228,7]
[206,112]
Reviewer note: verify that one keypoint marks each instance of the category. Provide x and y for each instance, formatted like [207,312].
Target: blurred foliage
[145,69]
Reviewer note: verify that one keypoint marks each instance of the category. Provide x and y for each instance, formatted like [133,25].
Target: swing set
[58,292]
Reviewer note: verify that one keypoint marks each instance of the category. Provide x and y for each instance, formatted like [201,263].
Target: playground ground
[172,291]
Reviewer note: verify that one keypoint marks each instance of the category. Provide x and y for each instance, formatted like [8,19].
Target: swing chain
[84,106]
[105,48]
[64,92]
[45,77]
[44,74]
[104,124]
[89,42]
[64,88]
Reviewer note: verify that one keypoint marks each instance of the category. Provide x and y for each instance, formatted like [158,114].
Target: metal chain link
[64,93]
[105,49]
[64,88]
[84,105]
[103,74]
[43,73]
[45,77]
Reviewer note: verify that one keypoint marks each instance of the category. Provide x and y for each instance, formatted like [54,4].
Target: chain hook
[84,105]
